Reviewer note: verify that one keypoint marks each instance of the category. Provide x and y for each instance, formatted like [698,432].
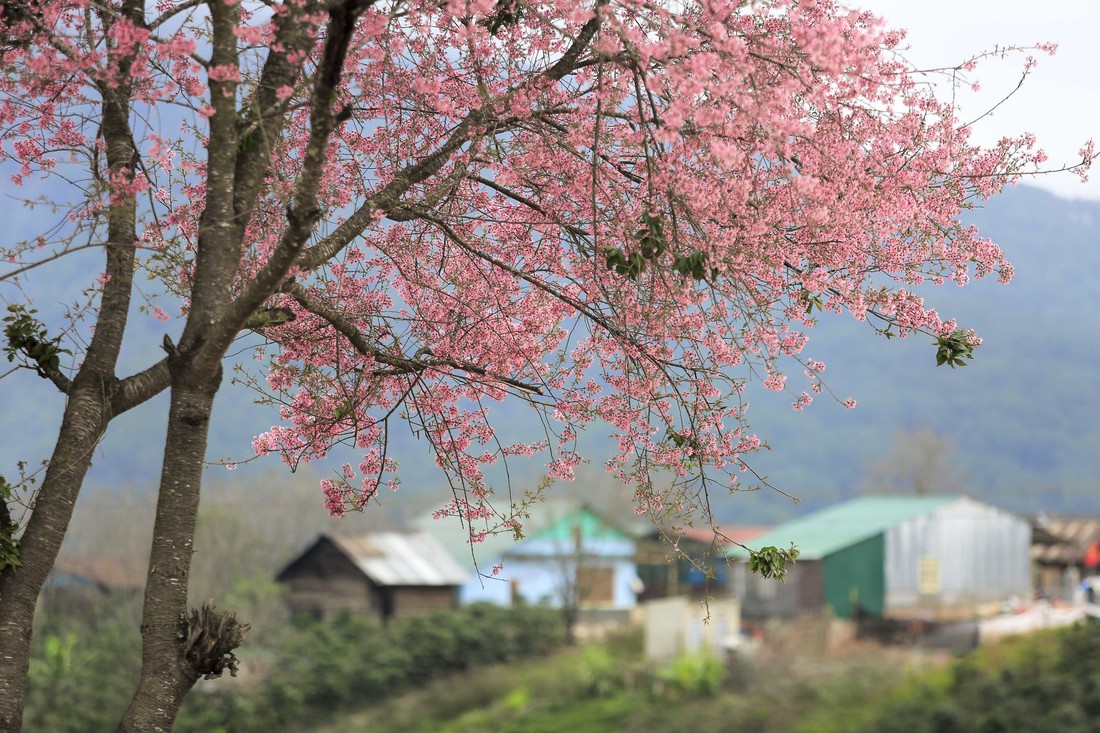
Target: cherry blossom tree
[616,211]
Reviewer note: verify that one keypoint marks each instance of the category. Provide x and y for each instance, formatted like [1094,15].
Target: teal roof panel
[830,530]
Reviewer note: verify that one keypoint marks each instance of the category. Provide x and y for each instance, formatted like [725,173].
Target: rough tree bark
[178,649]
[95,396]
[166,674]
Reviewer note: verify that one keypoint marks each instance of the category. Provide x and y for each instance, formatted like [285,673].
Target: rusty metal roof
[1069,539]
[109,573]
[717,535]
[401,558]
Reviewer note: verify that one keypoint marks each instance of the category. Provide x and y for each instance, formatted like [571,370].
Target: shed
[903,557]
[1064,550]
[688,561]
[384,574]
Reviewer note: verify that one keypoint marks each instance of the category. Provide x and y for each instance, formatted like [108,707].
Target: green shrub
[80,680]
[602,676]
[696,674]
[1045,682]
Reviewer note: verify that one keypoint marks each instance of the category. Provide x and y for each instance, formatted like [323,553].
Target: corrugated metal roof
[1081,531]
[112,573]
[829,530]
[733,533]
[399,558]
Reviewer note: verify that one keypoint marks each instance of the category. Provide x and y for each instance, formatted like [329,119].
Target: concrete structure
[384,574]
[932,557]
[675,626]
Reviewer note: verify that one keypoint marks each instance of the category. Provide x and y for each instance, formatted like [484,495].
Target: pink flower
[224,73]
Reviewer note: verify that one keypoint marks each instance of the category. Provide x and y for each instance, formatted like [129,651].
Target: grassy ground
[600,689]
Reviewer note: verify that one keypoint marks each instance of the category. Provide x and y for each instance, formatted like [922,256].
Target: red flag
[1092,555]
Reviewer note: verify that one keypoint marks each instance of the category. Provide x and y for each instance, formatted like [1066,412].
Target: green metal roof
[829,530]
[564,527]
[549,520]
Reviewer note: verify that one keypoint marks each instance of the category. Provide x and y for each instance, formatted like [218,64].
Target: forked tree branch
[141,387]
[304,211]
[389,197]
[419,362]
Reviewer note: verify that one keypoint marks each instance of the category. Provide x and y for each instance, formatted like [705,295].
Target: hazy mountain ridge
[1022,415]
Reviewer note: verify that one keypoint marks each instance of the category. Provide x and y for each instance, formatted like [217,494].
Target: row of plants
[81,676]
[487,669]
[320,668]
[596,688]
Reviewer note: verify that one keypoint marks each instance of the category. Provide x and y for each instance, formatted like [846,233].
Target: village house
[384,574]
[579,558]
[570,555]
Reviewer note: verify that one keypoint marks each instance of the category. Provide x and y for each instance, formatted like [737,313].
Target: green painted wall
[857,572]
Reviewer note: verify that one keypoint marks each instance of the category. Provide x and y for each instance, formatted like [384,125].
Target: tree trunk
[176,649]
[83,425]
[89,410]
[165,675]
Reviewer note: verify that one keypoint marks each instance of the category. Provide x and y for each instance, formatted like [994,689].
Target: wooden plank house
[384,574]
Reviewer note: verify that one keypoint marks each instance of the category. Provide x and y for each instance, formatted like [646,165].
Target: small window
[928,575]
[595,585]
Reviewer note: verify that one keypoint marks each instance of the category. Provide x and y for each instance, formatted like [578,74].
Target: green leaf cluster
[814,301]
[652,244]
[952,349]
[771,561]
[27,335]
[9,545]
[693,265]
[682,440]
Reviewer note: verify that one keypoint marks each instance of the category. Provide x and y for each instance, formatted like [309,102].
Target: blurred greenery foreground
[488,669]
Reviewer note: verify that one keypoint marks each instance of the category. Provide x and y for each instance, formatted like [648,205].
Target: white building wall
[491,589]
[963,553]
[544,580]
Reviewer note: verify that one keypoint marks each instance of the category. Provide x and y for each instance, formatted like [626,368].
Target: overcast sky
[1060,101]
